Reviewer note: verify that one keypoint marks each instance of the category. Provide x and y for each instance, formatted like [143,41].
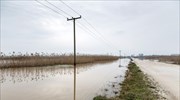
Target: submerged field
[57,82]
[37,60]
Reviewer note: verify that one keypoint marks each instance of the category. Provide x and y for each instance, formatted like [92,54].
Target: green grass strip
[135,87]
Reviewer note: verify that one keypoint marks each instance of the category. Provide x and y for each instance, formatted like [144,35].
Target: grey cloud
[149,27]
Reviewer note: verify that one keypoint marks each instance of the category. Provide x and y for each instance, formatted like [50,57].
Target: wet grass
[136,86]
[101,98]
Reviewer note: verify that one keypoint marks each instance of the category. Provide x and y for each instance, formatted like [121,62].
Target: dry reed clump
[175,59]
[44,60]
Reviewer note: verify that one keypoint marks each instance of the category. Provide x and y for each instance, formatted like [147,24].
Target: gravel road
[167,75]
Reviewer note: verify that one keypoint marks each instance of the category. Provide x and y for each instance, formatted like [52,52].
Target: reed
[36,59]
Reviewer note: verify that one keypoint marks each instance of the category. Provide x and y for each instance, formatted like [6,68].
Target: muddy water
[56,82]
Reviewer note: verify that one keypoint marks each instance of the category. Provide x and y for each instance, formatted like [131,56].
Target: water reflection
[26,74]
[56,82]
[34,73]
[120,65]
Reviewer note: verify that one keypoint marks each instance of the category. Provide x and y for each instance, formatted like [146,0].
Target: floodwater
[57,82]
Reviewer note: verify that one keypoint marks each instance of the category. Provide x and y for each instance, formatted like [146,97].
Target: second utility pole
[74,22]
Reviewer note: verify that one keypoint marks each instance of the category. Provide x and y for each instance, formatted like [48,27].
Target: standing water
[56,82]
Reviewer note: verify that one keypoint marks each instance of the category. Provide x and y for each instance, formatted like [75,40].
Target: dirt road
[167,75]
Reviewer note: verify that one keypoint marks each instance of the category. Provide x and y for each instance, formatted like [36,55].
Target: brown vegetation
[175,59]
[44,60]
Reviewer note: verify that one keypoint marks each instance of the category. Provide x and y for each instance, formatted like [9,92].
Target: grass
[101,98]
[136,86]
[44,60]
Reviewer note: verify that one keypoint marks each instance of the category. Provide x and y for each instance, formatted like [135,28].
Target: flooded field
[56,82]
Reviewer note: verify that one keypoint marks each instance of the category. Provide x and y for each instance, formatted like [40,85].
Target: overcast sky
[148,27]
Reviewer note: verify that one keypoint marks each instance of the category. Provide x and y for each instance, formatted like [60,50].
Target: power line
[91,32]
[50,8]
[103,40]
[69,7]
[88,30]
[100,35]
[94,28]
[84,29]
[94,35]
[58,8]
[70,15]
[77,13]
[98,32]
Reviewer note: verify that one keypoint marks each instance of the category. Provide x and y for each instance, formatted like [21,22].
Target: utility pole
[120,58]
[120,53]
[0,52]
[74,22]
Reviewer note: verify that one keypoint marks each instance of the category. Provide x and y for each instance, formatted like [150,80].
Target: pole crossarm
[73,18]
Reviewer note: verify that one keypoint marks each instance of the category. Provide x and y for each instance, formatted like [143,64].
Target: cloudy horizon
[148,27]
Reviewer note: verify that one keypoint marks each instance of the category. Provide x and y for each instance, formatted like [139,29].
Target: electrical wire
[69,7]
[91,32]
[50,8]
[57,8]
[104,41]
[94,35]
[99,34]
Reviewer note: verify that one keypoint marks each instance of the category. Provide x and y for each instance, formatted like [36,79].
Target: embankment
[136,86]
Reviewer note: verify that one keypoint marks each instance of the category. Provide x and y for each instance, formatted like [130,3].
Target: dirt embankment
[136,86]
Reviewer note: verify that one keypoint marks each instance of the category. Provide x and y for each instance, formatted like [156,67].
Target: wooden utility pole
[120,58]
[74,22]
[120,53]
